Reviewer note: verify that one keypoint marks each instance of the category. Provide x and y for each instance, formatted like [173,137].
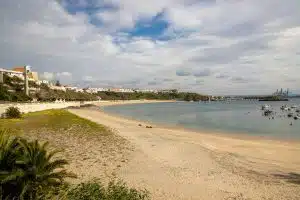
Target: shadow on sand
[290,177]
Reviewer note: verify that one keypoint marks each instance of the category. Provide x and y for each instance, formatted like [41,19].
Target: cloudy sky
[207,46]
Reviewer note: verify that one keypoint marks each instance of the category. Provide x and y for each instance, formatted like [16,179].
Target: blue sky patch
[150,28]
[153,27]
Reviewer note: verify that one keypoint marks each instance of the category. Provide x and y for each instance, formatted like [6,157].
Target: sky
[218,47]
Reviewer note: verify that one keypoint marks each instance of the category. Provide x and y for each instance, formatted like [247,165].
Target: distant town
[24,79]
[21,84]
[34,77]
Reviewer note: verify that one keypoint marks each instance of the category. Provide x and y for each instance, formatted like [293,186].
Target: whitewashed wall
[32,107]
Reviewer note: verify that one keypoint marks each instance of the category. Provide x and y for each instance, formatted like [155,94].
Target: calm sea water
[240,117]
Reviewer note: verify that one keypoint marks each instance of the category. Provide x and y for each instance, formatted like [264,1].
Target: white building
[43,82]
[71,88]
[12,73]
[146,90]
[79,90]
[54,87]
[19,72]
[126,90]
[91,90]
[103,89]
[96,90]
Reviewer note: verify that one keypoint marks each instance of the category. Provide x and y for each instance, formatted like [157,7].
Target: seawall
[32,107]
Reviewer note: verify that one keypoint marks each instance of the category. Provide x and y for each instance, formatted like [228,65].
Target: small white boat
[285,108]
[294,106]
[265,107]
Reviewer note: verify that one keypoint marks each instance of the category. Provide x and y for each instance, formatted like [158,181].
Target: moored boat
[265,106]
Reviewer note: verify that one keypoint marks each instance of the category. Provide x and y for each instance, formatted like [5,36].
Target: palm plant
[37,170]
[8,154]
[8,150]
[28,168]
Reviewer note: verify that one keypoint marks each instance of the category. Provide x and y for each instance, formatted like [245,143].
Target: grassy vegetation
[29,168]
[95,190]
[54,120]
[171,95]
[13,90]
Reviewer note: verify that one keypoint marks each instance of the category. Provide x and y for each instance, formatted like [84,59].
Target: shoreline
[221,133]
[172,163]
[187,133]
[124,102]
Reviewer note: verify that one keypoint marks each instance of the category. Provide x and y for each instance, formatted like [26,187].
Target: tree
[44,86]
[57,83]
[4,94]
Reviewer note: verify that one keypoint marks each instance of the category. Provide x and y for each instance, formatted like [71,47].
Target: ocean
[238,117]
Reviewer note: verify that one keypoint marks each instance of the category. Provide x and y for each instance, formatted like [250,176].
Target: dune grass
[85,143]
[54,120]
[81,141]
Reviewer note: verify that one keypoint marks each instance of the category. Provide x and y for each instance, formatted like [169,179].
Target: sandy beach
[120,102]
[182,164]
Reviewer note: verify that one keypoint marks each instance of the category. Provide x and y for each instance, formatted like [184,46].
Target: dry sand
[179,164]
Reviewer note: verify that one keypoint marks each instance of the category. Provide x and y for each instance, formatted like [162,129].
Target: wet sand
[183,164]
[120,102]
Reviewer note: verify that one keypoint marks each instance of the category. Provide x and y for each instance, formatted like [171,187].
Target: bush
[120,191]
[114,191]
[12,112]
[83,191]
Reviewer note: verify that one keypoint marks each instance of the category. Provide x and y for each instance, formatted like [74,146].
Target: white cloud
[228,42]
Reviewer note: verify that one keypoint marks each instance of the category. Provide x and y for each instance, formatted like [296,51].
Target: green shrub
[13,112]
[114,191]
[120,191]
[86,191]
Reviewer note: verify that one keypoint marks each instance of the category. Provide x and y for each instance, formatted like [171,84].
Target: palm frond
[12,176]
[56,165]
[59,175]
[53,153]
[25,189]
